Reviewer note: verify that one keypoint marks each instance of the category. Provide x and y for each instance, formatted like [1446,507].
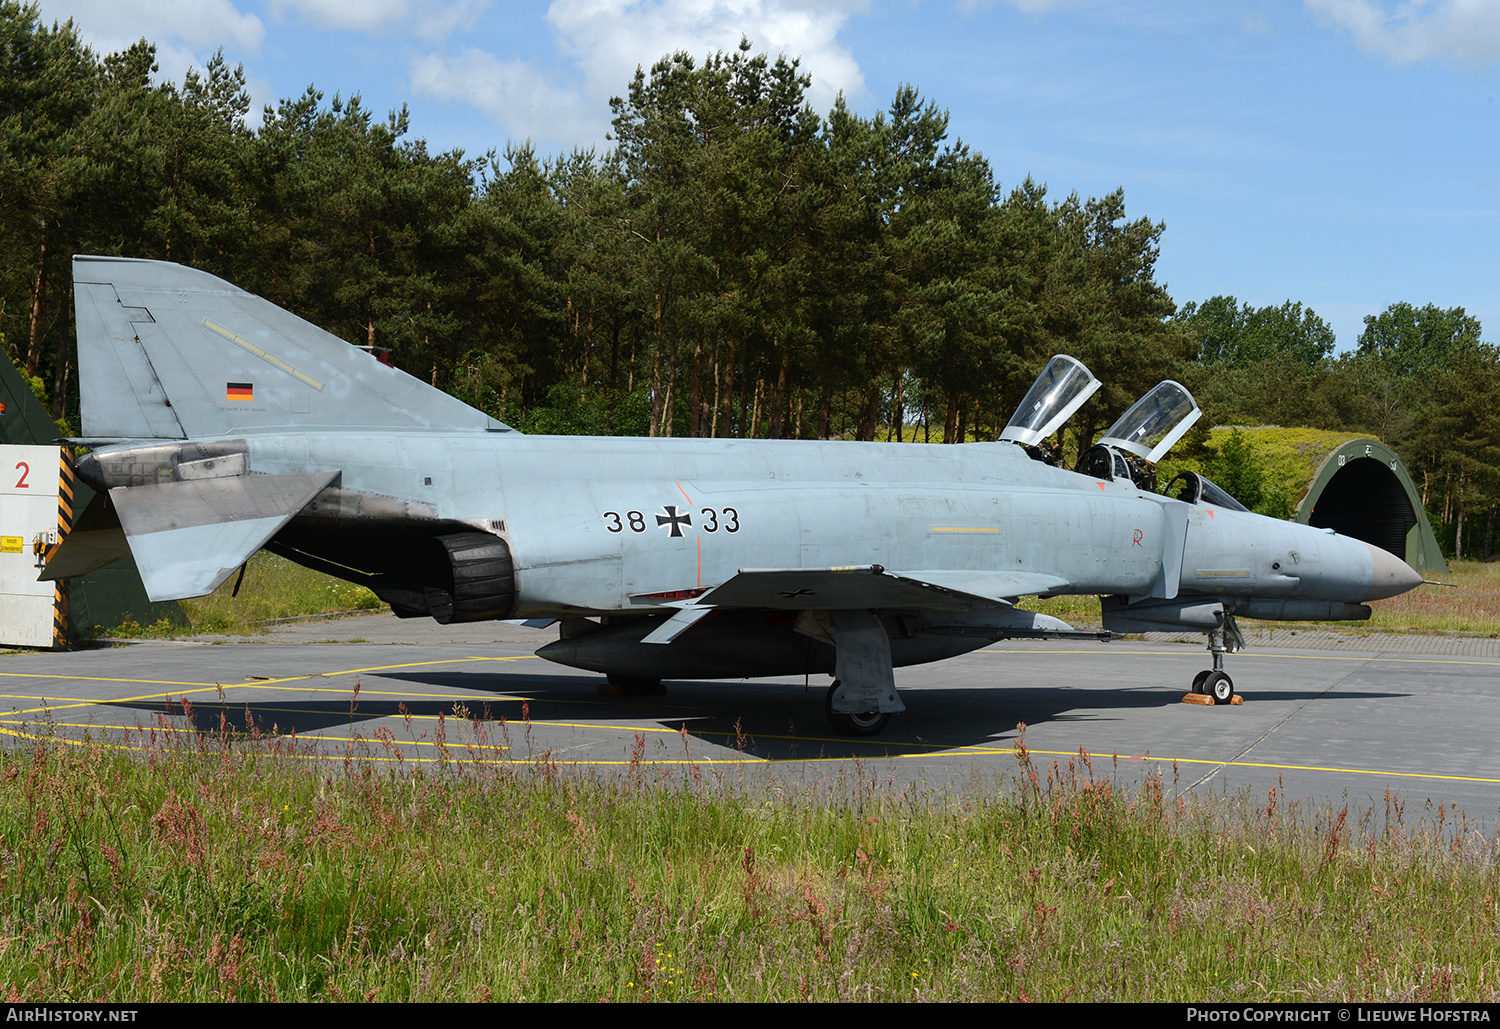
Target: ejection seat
[1141,436]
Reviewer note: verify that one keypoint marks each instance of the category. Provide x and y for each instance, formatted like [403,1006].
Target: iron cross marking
[677,521]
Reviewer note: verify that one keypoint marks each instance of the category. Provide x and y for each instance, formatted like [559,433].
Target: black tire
[869,723]
[1220,687]
[1198,679]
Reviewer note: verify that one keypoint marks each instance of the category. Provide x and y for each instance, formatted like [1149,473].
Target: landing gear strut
[863,694]
[1215,682]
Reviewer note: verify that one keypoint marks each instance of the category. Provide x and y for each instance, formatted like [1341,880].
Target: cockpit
[1192,488]
[1130,448]
[1107,463]
[1059,391]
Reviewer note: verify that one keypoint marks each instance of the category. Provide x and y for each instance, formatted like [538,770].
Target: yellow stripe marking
[262,682]
[981,751]
[926,751]
[262,354]
[460,757]
[921,750]
[1100,758]
[198,687]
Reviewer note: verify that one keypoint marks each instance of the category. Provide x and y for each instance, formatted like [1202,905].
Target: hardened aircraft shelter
[1363,490]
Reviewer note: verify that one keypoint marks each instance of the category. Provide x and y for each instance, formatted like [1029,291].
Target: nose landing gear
[1214,682]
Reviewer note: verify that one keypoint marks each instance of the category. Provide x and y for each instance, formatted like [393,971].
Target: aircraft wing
[871,586]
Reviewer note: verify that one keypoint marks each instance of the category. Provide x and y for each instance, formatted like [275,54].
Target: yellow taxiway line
[923,750]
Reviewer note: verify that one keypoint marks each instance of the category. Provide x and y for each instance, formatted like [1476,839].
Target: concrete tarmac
[1331,726]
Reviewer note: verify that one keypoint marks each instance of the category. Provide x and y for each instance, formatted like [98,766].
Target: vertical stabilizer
[169,352]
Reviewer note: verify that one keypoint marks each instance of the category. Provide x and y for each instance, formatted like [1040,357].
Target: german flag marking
[239,391]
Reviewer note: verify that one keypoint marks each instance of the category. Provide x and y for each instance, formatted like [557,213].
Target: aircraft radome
[219,424]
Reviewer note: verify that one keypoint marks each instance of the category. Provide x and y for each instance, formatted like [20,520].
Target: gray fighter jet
[219,424]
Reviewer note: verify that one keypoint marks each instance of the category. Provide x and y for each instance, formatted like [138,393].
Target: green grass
[1471,605]
[212,867]
[274,588]
[1292,455]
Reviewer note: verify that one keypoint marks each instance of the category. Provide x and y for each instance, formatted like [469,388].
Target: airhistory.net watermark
[56,1013]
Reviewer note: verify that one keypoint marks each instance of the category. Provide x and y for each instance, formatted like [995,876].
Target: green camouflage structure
[1363,490]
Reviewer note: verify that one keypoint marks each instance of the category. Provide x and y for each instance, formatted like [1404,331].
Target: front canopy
[1060,390]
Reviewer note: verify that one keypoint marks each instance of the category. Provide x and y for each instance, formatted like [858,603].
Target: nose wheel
[1215,682]
[1216,685]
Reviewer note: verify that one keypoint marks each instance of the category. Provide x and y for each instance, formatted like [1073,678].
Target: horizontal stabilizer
[94,542]
[187,537]
[871,586]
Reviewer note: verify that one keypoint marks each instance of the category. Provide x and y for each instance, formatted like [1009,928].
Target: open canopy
[1060,390]
[1155,422]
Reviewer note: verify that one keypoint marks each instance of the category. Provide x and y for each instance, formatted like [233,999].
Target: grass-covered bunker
[1363,490]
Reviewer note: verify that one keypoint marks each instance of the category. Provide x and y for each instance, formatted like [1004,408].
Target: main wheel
[1198,679]
[867,723]
[1219,686]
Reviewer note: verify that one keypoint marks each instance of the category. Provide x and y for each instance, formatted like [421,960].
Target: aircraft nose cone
[1393,576]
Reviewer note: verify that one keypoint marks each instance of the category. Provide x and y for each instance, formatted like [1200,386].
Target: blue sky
[1341,153]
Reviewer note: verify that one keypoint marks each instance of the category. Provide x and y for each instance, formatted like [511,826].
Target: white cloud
[173,62]
[438,24]
[424,19]
[1467,31]
[512,93]
[371,16]
[609,39]
[180,28]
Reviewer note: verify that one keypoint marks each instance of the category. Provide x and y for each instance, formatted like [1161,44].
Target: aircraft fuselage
[600,525]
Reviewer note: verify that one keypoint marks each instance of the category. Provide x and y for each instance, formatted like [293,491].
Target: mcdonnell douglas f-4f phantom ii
[219,424]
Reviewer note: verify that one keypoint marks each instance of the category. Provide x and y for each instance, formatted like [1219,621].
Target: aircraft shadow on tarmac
[765,720]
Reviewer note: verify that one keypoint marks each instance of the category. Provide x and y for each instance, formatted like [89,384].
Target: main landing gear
[863,695]
[1214,682]
[867,723]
